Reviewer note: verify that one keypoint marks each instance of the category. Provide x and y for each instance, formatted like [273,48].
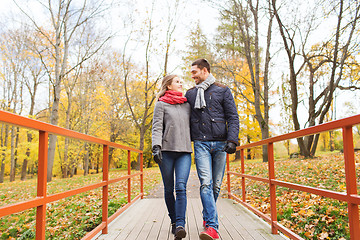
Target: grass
[308,215]
[69,218]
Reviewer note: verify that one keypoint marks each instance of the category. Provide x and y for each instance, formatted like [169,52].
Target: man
[214,130]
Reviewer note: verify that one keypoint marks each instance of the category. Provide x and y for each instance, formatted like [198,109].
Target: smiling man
[214,126]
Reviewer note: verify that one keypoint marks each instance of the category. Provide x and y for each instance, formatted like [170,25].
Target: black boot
[180,233]
[173,228]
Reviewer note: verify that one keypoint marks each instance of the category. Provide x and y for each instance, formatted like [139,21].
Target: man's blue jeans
[178,163]
[210,162]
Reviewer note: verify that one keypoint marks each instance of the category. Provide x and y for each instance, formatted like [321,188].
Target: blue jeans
[178,163]
[210,162]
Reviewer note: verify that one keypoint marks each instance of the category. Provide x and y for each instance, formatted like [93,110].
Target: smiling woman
[172,149]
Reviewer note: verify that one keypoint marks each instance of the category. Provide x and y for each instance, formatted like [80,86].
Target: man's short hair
[202,63]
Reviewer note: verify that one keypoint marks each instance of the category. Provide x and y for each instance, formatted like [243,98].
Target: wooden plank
[116,226]
[132,220]
[159,218]
[145,222]
[165,229]
[245,225]
[269,236]
[223,228]
[198,215]
[254,226]
[148,219]
[231,225]
[191,225]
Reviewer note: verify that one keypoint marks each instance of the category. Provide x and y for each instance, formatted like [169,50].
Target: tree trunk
[4,143]
[331,141]
[26,160]
[248,150]
[54,118]
[141,146]
[12,155]
[66,158]
[16,148]
[86,159]
[265,135]
[113,136]
[288,146]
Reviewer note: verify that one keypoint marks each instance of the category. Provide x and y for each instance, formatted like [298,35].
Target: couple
[207,116]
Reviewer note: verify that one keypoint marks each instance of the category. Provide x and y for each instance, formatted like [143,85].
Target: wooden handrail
[16,120]
[42,198]
[351,196]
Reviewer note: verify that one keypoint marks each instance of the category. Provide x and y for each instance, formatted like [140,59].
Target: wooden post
[142,175]
[228,174]
[129,179]
[243,178]
[271,165]
[105,200]
[41,184]
[350,174]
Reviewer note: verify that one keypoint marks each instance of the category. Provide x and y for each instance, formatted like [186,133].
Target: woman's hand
[157,154]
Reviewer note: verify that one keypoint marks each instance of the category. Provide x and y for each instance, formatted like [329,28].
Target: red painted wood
[42,198]
[272,187]
[105,190]
[351,196]
[41,185]
[351,188]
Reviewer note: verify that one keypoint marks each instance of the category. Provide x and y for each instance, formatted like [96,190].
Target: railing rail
[42,198]
[351,196]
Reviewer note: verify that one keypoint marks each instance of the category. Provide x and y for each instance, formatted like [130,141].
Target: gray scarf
[200,98]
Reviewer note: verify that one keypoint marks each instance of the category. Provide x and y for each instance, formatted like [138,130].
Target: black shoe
[173,228]
[180,233]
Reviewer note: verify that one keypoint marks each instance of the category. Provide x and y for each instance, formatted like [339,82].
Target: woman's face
[176,85]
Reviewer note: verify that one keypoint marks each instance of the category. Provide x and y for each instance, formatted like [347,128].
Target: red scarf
[173,97]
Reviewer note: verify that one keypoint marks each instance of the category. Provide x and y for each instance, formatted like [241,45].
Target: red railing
[42,198]
[351,196]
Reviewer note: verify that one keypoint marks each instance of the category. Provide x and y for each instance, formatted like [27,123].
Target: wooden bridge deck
[148,219]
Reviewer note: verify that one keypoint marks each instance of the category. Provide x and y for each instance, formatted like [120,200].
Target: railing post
[243,178]
[271,165]
[41,184]
[105,200]
[142,175]
[350,174]
[129,179]
[228,175]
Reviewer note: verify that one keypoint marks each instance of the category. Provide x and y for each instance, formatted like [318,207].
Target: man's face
[199,75]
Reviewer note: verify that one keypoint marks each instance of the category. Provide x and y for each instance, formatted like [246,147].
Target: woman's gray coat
[171,127]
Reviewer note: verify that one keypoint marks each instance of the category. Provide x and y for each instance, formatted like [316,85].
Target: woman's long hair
[166,81]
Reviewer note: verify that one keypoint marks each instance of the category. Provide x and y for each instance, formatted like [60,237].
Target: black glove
[230,148]
[157,154]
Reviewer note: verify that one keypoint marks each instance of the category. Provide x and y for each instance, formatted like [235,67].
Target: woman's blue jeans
[210,162]
[177,163]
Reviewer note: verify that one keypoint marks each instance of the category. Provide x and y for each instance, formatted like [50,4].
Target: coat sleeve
[157,125]
[232,117]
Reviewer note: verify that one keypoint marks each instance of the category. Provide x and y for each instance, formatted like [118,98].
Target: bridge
[145,218]
[148,219]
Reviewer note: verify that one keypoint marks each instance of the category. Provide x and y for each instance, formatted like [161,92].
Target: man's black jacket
[219,120]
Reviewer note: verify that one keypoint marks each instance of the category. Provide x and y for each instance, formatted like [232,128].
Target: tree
[147,80]
[33,78]
[240,26]
[198,46]
[68,21]
[13,51]
[332,54]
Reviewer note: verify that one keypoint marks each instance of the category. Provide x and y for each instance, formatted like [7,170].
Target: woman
[171,144]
